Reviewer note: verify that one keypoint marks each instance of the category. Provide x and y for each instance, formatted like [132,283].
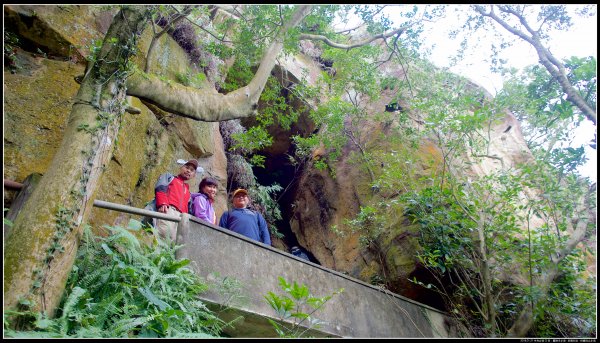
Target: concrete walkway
[243,271]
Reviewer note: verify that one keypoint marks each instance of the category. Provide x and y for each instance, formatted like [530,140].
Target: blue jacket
[300,254]
[246,222]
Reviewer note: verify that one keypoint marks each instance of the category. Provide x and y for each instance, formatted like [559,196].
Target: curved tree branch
[306,36]
[201,105]
[551,63]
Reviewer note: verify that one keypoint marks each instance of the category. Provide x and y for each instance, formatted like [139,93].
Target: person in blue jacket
[245,221]
[296,251]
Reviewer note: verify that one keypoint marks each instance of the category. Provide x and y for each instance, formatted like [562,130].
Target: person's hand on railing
[162,209]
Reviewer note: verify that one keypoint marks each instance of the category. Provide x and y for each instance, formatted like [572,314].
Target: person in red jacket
[172,197]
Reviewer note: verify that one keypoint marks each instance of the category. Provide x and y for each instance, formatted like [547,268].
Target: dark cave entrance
[277,166]
[278,169]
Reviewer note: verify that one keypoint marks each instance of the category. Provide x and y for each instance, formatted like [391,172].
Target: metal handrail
[10,184]
[134,210]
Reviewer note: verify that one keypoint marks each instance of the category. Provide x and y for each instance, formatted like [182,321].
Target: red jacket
[176,193]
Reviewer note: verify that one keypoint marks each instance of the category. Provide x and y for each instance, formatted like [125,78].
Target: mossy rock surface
[37,103]
[60,30]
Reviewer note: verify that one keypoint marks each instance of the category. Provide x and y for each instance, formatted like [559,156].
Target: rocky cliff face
[323,203]
[39,85]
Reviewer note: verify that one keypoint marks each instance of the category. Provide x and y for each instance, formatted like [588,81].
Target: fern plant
[300,308]
[121,288]
[265,202]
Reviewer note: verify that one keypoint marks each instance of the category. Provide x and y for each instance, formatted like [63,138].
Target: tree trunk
[486,280]
[40,252]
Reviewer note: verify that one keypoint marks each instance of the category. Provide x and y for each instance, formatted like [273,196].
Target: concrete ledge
[244,271]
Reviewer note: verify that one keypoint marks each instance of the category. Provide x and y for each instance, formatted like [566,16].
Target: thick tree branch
[201,105]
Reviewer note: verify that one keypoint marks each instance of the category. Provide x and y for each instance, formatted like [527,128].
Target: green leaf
[177,265]
[134,224]
[147,293]
[43,323]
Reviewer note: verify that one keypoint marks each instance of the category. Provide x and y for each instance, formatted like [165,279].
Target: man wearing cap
[245,221]
[172,197]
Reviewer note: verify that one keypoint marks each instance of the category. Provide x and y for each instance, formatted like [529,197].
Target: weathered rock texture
[38,98]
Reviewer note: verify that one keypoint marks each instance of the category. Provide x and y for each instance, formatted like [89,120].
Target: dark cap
[193,163]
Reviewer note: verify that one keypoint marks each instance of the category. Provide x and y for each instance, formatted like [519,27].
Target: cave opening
[277,165]
[278,169]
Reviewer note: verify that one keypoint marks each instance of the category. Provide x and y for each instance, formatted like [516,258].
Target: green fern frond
[90,332]
[107,308]
[95,278]
[70,306]
[147,293]
[123,236]
[124,327]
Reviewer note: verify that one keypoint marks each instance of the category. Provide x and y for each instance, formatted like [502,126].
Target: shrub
[121,288]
